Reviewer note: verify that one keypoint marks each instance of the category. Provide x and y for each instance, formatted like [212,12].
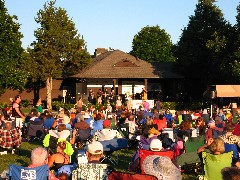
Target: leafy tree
[58,47]
[11,73]
[153,45]
[202,52]
[236,58]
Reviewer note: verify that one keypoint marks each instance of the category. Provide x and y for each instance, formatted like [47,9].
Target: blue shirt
[48,123]
[97,126]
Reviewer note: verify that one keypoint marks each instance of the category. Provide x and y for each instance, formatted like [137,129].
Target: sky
[114,23]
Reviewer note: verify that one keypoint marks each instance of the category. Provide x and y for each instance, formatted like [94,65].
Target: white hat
[66,119]
[95,148]
[156,145]
[161,167]
[86,115]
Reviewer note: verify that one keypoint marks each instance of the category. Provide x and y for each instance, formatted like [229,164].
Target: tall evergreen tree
[58,46]
[153,45]
[200,51]
[11,73]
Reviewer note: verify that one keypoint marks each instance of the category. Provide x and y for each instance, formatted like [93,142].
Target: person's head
[161,167]
[149,121]
[156,145]
[106,124]
[230,173]
[63,176]
[98,117]
[34,112]
[39,156]
[80,118]
[61,146]
[230,127]
[61,127]
[17,98]
[131,118]
[94,150]
[185,125]
[42,116]
[8,126]
[217,146]
[161,116]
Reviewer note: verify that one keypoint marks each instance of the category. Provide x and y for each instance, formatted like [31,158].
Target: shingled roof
[118,64]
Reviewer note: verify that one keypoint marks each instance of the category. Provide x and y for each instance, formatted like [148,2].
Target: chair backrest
[128,176]
[232,147]
[83,134]
[89,171]
[24,173]
[213,164]
[123,129]
[193,143]
[144,153]
[35,129]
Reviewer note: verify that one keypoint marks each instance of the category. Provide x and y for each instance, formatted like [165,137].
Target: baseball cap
[156,145]
[106,124]
[95,148]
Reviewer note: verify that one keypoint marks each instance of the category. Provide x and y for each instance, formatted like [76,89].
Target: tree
[236,58]
[57,46]
[202,50]
[11,74]
[153,45]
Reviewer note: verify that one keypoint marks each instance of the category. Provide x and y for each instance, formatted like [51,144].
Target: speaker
[81,88]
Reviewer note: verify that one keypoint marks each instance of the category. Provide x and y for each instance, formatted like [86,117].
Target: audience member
[39,157]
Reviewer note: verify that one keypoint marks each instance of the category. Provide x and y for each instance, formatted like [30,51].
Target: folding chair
[144,153]
[109,146]
[83,136]
[128,176]
[24,173]
[35,130]
[90,171]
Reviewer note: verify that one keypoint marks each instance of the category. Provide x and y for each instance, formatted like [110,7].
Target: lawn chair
[144,153]
[35,130]
[82,137]
[128,176]
[110,146]
[23,173]
[90,171]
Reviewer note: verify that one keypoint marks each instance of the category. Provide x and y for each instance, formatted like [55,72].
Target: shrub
[25,103]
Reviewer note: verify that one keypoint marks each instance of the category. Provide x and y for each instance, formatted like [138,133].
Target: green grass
[123,157]
[22,159]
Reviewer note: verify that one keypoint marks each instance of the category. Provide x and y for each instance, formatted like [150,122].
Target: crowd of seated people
[153,130]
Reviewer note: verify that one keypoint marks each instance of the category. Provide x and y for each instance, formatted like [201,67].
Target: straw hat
[161,167]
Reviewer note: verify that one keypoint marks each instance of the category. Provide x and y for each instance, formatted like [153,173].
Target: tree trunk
[36,91]
[49,94]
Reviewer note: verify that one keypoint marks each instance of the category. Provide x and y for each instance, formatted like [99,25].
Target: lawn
[123,157]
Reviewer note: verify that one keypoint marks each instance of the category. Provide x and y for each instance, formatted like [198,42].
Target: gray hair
[39,155]
[80,118]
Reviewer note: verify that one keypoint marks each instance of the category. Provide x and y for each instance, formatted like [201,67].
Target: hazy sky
[113,23]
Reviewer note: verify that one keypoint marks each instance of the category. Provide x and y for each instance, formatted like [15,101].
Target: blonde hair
[217,146]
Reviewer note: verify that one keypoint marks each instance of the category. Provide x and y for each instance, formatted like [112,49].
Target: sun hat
[156,145]
[86,115]
[95,148]
[106,124]
[161,167]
